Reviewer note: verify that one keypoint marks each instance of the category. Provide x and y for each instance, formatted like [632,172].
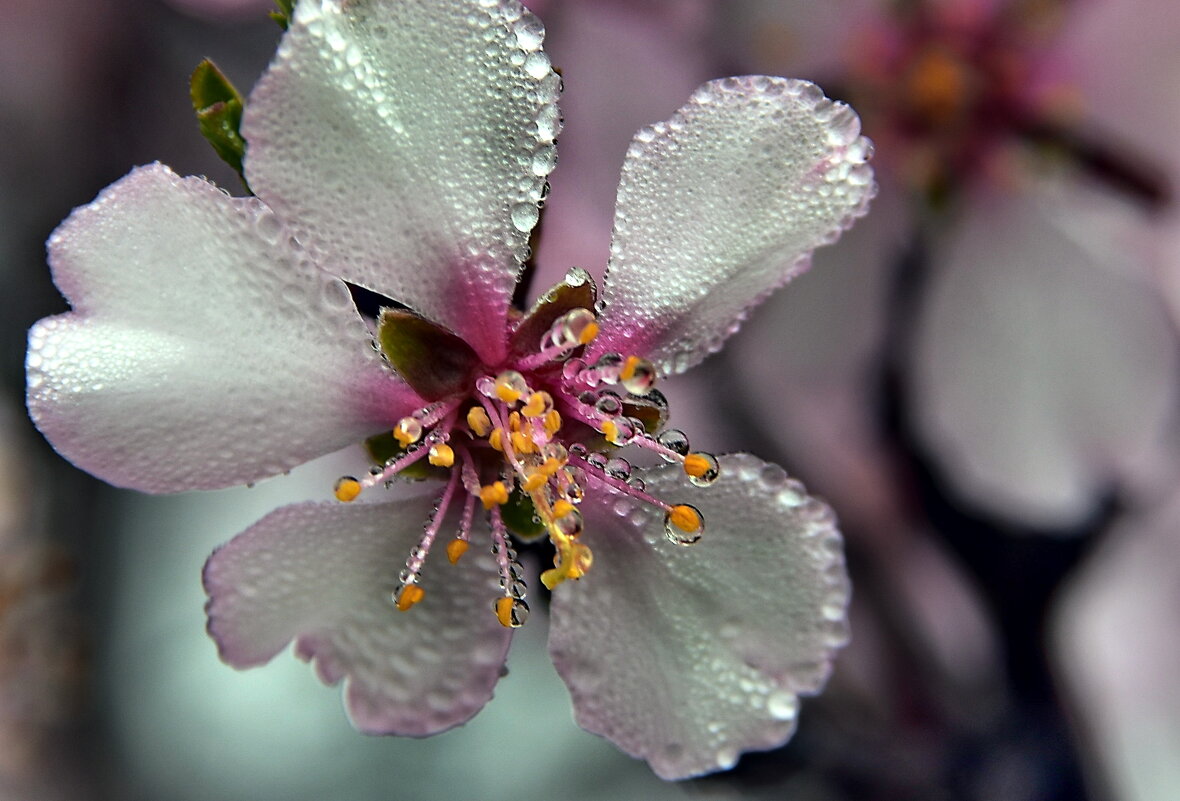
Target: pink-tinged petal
[720,205]
[688,656]
[1044,366]
[409,144]
[204,349]
[323,575]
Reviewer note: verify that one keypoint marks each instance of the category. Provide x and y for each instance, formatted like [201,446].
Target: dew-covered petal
[688,656]
[1043,363]
[204,349]
[323,574]
[720,205]
[409,144]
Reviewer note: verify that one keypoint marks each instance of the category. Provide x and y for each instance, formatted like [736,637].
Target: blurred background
[981,378]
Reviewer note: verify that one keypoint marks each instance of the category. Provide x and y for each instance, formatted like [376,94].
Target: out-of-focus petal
[802,38]
[1120,57]
[204,349]
[408,143]
[323,575]
[720,205]
[1043,362]
[1117,650]
[687,656]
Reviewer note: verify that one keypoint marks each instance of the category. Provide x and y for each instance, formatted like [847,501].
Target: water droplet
[567,330]
[518,615]
[642,377]
[683,534]
[518,590]
[618,468]
[609,403]
[782,705]
[674,440]
[530,33]
[525,216]
[705,468]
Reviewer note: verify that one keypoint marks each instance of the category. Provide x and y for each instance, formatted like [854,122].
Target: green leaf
[432,360]
[283,15]
[219,108]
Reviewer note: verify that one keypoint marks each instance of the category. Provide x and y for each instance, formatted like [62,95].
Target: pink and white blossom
[402,147]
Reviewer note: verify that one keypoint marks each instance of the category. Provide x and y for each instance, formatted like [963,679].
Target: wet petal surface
[688,656]
[322,574]
[720,205]
[409,143]
[204,349]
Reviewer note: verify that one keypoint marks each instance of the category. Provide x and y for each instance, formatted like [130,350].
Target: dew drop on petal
[782,705]
[525,216]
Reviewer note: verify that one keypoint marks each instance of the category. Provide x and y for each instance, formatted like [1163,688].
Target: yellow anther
[539,404]
[610,430]
[510,386]
[535,481]
[407,431]
[410,594]
[522,444]
[514,421]
[504,612]
[562,507]
[696,465]
[551,466]
[685,518]
[588,334]
[573,560]
[496,440]
[478,421]
[552,422]
[441,455]
[455,549]
[347,489]
[628,370]
[493,494]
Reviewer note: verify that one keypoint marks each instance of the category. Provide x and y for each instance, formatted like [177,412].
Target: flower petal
[323,574]
[409,144]
[1044,367]
[204,349]
[687,656]
[720,205]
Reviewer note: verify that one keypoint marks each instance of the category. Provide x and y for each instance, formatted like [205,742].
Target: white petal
[409,143]
[204,350]
[1044,366]
[687,656]
[720,205]
[323,575]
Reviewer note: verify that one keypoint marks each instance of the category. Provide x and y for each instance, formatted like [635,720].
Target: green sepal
[283,15]
[219,108]
[576,291]
[432,360]
[520,516]
[384,448]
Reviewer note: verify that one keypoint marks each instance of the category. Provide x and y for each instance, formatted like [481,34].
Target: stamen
[407,431]
[702,468]
[511,610]
[510,386]
[684,525]
[495,494]
[456,548]
[441,455]
[347,489]
[637,376]
[409,595]
[539,405]
[478,421]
